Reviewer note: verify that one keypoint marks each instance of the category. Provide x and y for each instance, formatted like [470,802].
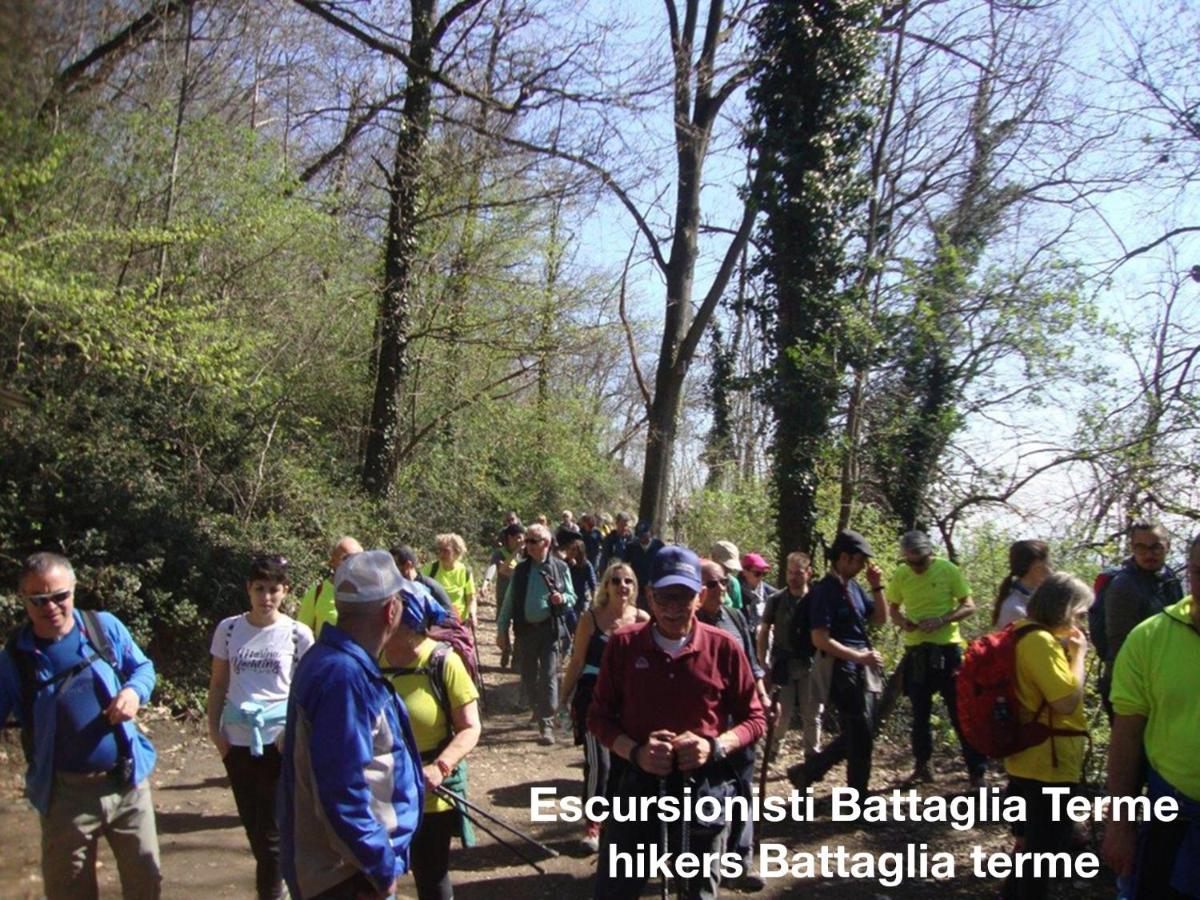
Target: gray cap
[916,542]
[366,577]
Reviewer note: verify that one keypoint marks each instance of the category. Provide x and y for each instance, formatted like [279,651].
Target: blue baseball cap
[675,565]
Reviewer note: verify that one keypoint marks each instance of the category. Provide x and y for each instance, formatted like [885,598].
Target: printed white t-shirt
[261,664]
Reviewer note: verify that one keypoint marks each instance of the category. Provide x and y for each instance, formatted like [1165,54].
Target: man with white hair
[353,786]
[538,595]
[928,597]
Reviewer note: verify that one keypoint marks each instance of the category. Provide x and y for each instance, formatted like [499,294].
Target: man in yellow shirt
[929,597]
[1156,698]
[316,606]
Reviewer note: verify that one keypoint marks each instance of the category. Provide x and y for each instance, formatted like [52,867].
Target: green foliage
[812,105]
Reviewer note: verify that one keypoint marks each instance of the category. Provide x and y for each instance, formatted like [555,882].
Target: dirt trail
[205,852]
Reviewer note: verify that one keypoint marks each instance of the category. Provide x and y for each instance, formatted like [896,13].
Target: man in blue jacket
[352,781]
[75,683]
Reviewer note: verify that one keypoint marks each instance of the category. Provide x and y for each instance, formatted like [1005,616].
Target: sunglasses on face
[273,560]
[533,540]
[617,579]
[39,600]
[717,583]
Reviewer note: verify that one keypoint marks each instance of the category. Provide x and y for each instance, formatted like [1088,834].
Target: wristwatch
[716,751]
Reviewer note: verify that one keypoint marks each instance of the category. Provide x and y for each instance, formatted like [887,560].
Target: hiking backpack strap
[435,671]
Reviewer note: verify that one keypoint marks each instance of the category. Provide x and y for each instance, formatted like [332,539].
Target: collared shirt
[927,595]
[707,689]
[135,671]
[537,593]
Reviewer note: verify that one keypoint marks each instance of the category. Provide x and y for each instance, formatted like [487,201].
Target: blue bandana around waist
[1185,872]
[256,717]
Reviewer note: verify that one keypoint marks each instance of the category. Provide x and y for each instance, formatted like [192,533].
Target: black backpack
[93,633]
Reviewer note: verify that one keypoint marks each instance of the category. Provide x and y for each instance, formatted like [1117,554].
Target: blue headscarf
[420,609]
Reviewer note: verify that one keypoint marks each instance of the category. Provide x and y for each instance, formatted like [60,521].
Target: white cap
[366,577]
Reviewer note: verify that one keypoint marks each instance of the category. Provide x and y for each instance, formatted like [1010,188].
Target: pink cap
[755,563]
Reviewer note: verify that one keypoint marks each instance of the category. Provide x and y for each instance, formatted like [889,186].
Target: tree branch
[108,54]
[633,356]
[388,49]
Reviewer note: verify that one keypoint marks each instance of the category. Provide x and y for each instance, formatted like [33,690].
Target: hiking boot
[921,774]
[751,881]
[799,777]
[546,735]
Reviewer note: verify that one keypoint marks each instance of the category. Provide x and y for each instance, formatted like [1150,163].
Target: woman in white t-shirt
[1028,566]
[254,658]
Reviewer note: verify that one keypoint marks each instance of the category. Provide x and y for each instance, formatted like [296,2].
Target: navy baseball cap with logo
[675,565]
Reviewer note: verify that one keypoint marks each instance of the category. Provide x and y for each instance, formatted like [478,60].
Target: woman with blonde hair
[1051,655]
[450,572]
[615,607]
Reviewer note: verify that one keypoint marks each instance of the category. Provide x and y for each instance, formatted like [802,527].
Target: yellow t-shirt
[426,716]
[317,606]
[1044,675]
[1157,675]
[935,592]
[458,582]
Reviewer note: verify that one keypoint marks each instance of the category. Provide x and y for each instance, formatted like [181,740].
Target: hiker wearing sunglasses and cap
[674,700]
[75,681]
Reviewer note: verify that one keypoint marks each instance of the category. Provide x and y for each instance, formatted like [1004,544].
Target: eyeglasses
[39,600]
[1156,547]
[717,582]
[617,579]
[673,599]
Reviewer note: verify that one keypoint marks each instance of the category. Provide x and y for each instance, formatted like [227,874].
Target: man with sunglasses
[75,683]
[675,699]
[538,595]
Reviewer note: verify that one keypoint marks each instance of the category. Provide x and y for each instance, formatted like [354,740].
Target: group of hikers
[344,731]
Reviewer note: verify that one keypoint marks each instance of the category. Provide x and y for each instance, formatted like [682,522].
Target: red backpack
[988,708]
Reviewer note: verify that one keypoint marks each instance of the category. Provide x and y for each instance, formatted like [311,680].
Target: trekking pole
[663,835]
[448,794]
[503,843]
[683,887]
[478,669]
[772,720]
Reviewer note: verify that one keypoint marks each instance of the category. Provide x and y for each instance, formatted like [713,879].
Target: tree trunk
[380,460]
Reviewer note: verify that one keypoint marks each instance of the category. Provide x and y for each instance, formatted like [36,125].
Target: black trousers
[1157,848]
[931,669]
[431,855]
[255,781]
[1041,833]
[855,707]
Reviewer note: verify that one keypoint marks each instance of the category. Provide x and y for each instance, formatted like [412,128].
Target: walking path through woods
[205,853]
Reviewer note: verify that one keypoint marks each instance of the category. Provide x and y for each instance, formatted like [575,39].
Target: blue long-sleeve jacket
[353,788]
[134,670]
